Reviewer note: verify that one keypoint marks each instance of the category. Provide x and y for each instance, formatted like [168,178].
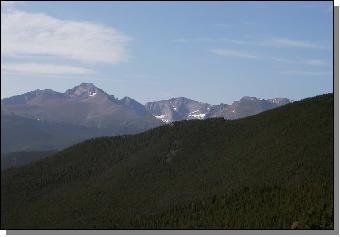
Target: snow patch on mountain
[196,116]
[163,117]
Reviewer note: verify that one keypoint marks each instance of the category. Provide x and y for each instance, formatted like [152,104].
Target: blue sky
[214,52]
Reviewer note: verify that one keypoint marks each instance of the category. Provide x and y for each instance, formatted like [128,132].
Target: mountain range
[49,120]
[177,109]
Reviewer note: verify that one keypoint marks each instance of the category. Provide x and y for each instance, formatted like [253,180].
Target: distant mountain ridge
[176,109]
[43,119]
[182,108]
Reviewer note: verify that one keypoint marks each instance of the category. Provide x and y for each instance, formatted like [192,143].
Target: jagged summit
[84,89]
[133,104]
[246,98]
[128,99]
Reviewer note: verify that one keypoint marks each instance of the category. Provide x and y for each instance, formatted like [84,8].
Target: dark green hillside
[25,134]
[22,158]
[273,170]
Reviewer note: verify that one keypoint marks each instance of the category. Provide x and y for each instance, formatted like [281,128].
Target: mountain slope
[133,104]
[248,106]
[25,134]
[82,112]
[273,170]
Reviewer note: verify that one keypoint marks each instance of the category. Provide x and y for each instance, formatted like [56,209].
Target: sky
[214,52]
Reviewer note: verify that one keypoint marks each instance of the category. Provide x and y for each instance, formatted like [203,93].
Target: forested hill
[22,158]
[273,170]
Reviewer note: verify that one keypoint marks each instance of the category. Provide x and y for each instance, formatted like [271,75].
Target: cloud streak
[274,42]
[245,55]
[306,73]
[290,43]
[310,62]
[46,69]
[213,40]
[233,53]
[315,62]
[37,34]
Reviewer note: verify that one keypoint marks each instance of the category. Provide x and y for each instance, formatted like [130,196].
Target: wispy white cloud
[310,62]
[214,40]
[200,40]
[41,68]
[274,42]
[291,43]
[283,60]
[37,34]
[241,54]
[242,42]
[315,62]
[233,53]
[306,73]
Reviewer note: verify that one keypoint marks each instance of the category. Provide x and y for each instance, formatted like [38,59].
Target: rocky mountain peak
[84,90]
[248,98]
[281,101]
